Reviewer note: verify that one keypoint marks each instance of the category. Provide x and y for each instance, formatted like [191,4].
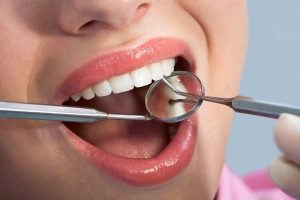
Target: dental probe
[248,105]
[60,113]
[240,104]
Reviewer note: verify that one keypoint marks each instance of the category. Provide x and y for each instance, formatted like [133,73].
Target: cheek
[18,51]
[226,29]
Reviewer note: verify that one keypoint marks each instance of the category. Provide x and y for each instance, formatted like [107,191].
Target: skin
[285,170]
[43,41]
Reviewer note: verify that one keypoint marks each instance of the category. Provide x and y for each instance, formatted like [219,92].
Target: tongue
[132,139]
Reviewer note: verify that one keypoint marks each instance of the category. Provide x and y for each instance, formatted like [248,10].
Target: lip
[143,172]
[147,172]
[120,62]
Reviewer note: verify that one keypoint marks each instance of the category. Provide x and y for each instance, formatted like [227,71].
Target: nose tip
[80,16]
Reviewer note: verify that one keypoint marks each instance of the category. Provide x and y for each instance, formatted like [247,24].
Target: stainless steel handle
[248,105]
[59,113]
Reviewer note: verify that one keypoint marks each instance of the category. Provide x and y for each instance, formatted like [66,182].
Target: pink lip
[143,172]
[136,172]
[120,62]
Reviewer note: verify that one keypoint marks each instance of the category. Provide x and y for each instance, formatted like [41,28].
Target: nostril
[91,26]
[143,6]
[87,25]
[88,21]
[140,11]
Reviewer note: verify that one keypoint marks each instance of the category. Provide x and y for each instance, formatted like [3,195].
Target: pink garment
[256,186]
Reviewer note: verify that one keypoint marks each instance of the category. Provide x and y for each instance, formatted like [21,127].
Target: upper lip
[120,62]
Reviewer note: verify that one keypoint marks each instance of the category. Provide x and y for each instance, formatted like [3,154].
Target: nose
[82,16]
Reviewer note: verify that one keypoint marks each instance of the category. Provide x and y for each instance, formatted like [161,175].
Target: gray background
[271,73]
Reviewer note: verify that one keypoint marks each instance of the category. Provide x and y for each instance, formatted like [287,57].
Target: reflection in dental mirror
[175,97]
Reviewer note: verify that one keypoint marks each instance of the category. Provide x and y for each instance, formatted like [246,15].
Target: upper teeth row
[138,78]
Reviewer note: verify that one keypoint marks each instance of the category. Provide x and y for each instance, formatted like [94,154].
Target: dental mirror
[178,96]
[174,98]
[171,99]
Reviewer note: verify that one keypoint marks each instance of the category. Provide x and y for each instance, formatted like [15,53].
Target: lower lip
[143,172]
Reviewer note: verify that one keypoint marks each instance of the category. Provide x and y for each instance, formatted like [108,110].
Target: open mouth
[125,94]
[135,152]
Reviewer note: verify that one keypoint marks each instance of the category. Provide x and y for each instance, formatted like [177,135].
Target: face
[54,49]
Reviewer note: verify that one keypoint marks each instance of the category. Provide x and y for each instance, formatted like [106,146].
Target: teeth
[141,77]
[168,66]
[76,97]
[138,78]
[156,71]
[102,89]
[88,94]
[178,108]
[121,83]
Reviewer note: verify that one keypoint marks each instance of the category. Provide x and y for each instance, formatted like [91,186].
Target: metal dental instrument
[171,99]
[59,113]
[190,95]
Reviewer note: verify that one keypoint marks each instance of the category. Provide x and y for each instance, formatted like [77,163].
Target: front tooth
[102,89]
[121,83]
[141,77]
[155,70]
[88,94]
[168,66]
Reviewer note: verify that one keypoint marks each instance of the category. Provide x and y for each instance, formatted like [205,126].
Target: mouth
[136,153]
